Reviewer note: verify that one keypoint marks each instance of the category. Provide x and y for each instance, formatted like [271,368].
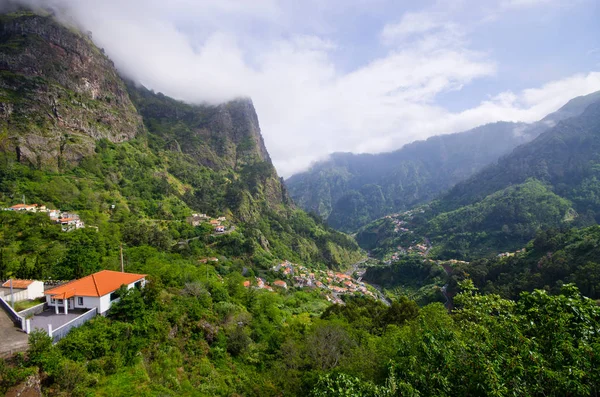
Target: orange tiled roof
[97,284]
[18,284]
[24,206]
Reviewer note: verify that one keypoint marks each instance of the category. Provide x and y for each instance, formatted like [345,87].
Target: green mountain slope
[135,163]
[565,157]
[350,190]
[549,261]
[549,182]
[502,221]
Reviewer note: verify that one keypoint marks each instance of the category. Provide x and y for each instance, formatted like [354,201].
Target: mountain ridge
[79,137]
[349,190]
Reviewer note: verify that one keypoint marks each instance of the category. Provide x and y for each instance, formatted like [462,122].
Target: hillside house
[54,215]
[280,284]
[22,289]
[28,207]
[94,291]
[197,219]
[220,229]
[69,224]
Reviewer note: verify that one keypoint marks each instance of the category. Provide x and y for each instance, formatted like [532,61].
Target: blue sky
[354,75]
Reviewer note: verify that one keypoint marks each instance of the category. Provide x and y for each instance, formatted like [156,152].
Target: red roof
[97,284]
[18,206]
[18,284]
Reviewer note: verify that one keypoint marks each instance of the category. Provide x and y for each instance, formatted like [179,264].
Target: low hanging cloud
[309,106]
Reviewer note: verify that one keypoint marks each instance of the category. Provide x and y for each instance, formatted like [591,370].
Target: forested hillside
[555,257]
[141,190]
[565,157]
[351,190]
[549,182]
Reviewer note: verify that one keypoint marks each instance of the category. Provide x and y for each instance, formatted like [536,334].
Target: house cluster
[401,221]
[417,249]
[509,254]
[69,221]
[400,225]
[334,283]
[216,223]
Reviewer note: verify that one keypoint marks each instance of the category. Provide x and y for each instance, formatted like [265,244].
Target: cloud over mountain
[342,76]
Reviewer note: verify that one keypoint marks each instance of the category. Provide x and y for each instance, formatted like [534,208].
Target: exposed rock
[31,387]
[58,92]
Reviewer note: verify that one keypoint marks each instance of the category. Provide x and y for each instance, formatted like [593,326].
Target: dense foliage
[211,337]
[503,221]
[549,261]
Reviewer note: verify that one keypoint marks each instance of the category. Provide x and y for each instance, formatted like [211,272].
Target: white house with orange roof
[94,291]
[28,207]
[22,289]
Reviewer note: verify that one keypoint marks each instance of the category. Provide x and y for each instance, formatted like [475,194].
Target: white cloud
[411,23]
[212,51]
[515,4]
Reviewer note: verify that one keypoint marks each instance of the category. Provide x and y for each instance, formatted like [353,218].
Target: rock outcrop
[58,92]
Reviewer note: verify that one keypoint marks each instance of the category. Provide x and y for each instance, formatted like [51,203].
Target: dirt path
[12,339]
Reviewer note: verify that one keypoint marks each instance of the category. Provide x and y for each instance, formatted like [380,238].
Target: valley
[465,264]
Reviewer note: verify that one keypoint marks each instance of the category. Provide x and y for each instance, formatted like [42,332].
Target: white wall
[35,290]
[104,304]
[89,302]
[18,294]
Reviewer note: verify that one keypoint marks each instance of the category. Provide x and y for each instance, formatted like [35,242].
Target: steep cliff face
[225,138]
[58,93]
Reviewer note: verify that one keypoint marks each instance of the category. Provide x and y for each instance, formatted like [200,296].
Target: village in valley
[334,284]
[413,245]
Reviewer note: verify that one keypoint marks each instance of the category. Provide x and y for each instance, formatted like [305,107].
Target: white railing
[63,330]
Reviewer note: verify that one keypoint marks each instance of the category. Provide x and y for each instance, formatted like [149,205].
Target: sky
[362,76]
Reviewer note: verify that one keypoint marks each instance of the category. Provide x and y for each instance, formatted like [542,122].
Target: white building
[94,291]
[22,289]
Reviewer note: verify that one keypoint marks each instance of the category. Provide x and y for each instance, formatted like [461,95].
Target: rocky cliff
[58,93]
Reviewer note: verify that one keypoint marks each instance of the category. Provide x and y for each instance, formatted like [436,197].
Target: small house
[69,224]
[28,207]
[23,289]
[94,291]
[220,229]
[280,284]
